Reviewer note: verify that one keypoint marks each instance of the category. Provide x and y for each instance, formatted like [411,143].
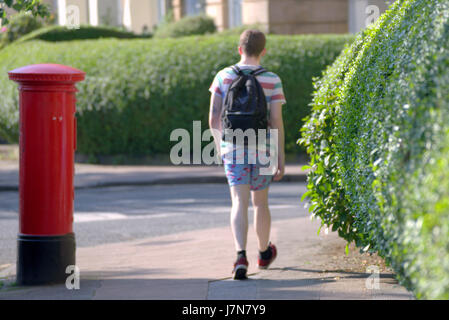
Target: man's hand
[279,172]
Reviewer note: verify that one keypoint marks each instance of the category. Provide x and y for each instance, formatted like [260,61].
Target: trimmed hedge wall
[137,91]
[378,138]
[187,26]
[61,33]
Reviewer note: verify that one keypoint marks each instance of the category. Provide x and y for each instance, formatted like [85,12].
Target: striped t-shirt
[270,82]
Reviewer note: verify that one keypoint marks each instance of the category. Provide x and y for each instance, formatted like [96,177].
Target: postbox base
[44,259]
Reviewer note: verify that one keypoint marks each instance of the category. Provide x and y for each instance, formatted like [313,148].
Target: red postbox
[46,242]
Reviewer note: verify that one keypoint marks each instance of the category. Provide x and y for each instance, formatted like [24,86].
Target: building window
[163,8]
[235,13]
[194,7]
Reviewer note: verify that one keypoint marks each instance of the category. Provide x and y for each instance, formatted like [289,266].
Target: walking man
[246,96]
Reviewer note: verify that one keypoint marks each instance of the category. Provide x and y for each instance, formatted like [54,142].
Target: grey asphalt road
[115,214]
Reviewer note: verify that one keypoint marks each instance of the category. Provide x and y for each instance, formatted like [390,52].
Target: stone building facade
[275,16]
[286,16]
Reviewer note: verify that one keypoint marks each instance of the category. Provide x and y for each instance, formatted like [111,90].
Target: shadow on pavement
[344,273]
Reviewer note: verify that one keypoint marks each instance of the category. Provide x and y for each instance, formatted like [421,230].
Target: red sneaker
[264,264]
[240,268]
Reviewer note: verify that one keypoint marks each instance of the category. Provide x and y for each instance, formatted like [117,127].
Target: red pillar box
[46,242]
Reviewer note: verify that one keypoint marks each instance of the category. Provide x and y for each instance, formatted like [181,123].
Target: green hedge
[137,91]
[378,138]
[61,33]
[187,26]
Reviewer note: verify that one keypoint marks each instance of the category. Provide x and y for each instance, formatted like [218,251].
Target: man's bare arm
[215,118]
[277,122]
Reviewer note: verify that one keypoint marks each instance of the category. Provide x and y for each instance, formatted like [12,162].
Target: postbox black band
[44,259]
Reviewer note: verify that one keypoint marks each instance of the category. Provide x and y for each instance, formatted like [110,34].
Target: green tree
[34,6]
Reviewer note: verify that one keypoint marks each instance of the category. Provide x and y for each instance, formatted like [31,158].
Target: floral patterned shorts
[246,172]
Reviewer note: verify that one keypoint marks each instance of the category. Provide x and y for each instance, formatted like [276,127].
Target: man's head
[252,43]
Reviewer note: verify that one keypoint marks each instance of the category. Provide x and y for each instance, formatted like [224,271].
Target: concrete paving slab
[197,265]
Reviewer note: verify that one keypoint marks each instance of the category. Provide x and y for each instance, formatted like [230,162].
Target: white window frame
[235,6]
[62,12]
[194,7]
[93,12]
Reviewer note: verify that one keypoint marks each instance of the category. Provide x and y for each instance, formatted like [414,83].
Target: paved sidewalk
[94,176]
[197,265]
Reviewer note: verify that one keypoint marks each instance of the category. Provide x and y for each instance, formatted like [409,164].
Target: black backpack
[245,105]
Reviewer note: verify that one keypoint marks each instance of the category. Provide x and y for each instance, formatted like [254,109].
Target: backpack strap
[237,70]
[258,71]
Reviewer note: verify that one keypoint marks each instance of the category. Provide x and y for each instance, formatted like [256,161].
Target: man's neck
[252,61]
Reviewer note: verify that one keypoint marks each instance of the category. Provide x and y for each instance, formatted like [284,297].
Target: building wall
[108,12]
[178,9]
[143,13]
[277,16]
[218,10]
[281,16]
[297,16]
[364,12]
[308,16]
[112,12]
[256,12]
[83,6]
